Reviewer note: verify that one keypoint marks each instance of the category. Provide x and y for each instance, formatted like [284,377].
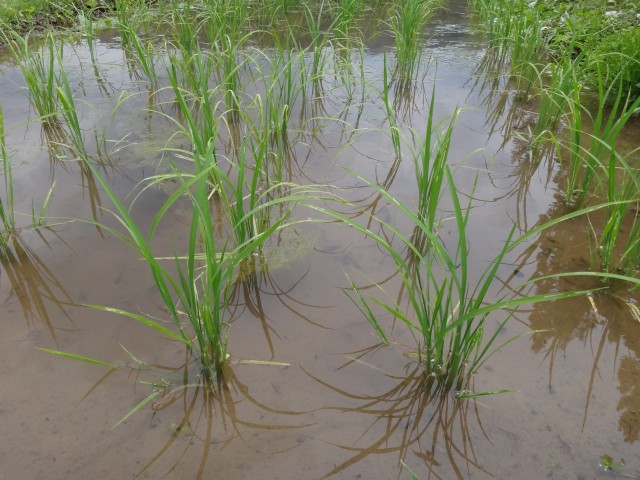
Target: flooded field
[309,391]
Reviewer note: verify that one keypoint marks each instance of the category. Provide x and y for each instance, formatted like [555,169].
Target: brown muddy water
[333,412]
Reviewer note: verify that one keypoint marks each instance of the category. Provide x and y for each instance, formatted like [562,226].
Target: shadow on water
[610,330]
[207,416]
[33,283]
[256,281]
[412,419]
[606,322]
[512,121]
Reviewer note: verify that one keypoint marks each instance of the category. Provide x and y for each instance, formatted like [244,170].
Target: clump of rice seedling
[131,14]
[618,243]
[446,311]
[496,18]
[555,97]
[408,20]
[68,110]
[394,129]
[346,13]
[7,216]
[229,62]
[318,44]
[185,33]
[197,296]
[527,41]
[38,68]
[142,52]
[87,23]
[587,163]
[214,16]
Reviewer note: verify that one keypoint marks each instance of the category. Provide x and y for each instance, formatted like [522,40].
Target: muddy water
[342,408]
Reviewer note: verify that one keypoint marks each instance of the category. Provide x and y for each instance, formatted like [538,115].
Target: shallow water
[336,411]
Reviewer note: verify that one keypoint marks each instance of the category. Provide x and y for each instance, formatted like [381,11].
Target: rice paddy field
[339,239]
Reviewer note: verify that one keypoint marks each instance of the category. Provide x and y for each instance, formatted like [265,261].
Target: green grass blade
[73,356]
[138,406]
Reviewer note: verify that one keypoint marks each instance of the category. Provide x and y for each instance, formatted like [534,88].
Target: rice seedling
[346,13]
[282,72]
[7,216]
[124,10]
[526,43]
[267,12]
[412,475]
[214,16]
[430,165]
[197,295]
[239,15]
[229,61]
[618,252]
[253,144]
[30,279]
[184,35]
[130,15]
[87,23]
[242,196]
[555,97]
[445,309]
[189,79]
[498,22]
[394,129]
[588,163]
[68,110]
[143,53]
[38,68]
[408,20]
[7,201]
[38,219]
[514,38]
[318,43]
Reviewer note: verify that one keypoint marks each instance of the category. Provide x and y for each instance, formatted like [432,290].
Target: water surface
[337,410]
